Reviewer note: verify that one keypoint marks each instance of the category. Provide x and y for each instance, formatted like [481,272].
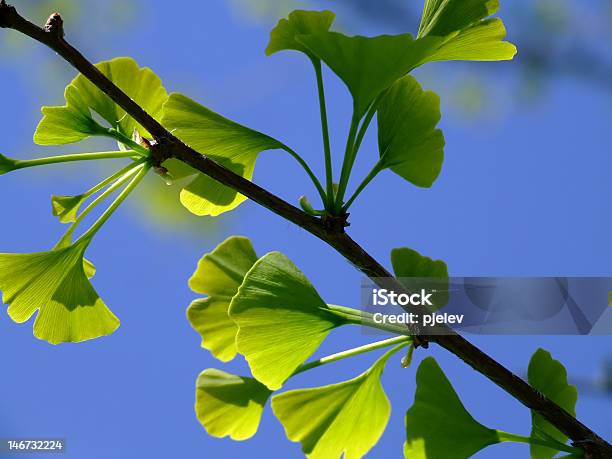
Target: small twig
[168,146]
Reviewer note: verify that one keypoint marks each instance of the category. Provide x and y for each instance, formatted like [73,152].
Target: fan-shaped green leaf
[218,275]
[368,65]
[549,377]
[67,207]
[231,405]
[54,284]
[281,319]
[480,42]
[74,121]
[408,263]
[230,144]
[468,34]
[443,17]
[345,418]
[409,143]
[299,22]
[438,425]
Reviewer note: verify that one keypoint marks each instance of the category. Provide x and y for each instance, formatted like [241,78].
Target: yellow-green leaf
[299,22]
[231,405]
[74,121]
[281,319]
[437,425]
[230,144]
[549,377]
[345,418]
[54,284]
[218,275]
[408,141]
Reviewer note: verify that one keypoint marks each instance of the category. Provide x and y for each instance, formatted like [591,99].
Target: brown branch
[167,146]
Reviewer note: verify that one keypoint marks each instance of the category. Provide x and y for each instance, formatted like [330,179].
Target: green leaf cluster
[267,311]
[438,426]
[55,285]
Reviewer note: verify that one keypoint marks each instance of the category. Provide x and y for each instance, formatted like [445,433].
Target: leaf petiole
[352,352]
[509,437]
[357,317]
[329,175]
[125,140]
[22,164]
[371,175]
[142,170]
[309,171]
[119,177]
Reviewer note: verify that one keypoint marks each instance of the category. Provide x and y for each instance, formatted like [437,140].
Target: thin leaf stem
[350,158]
[142,171]
[22,164]
[112,178]
[358,317]
[346,163]
[120,178]
[371,175]
[125,140]
[329,174]
[352,352]
[509,437]
[309,171]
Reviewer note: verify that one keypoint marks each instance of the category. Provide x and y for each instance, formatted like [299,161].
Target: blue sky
[523,192]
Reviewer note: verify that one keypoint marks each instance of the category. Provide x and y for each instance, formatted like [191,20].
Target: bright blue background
[523,192]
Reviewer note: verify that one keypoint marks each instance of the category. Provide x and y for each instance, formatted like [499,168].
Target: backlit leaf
[368,65]
[230,144]
[218,275]
[549,377]
[438,425]
[408,263]
[468,34]
[54,284]
[74,121]
[281,319]
[345,418]
[299,22]
[231,405]
[443,17]
[408,141]
[66,207]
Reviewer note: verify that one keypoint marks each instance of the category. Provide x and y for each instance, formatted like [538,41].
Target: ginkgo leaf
[218,275]
[7,164]
[437,425]
[468,34]
[231,405]
[67,207]
[549,376]
[299,22]
[443,17]
[368,65]
[408,263]
[281,319]
[230,144]
[74,121]
[345,418]
[54,284]
[408,141]
[480,42]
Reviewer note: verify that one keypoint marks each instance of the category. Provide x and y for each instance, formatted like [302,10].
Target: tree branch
[329,230]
